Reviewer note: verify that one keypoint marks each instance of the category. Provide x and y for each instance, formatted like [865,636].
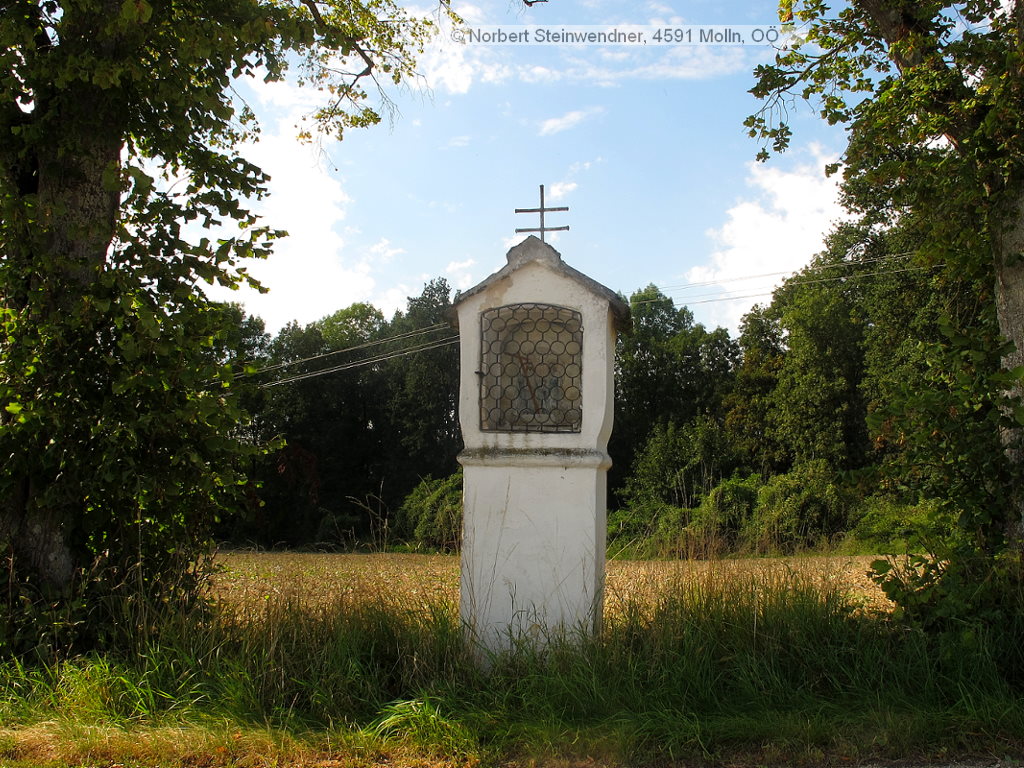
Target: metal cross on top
[542,210]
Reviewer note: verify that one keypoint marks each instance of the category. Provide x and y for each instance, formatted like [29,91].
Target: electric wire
[685,286]
[375,342]
[449,340]
[424,347]
[685,300]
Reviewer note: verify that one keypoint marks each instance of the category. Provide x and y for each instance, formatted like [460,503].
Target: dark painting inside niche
[531,369]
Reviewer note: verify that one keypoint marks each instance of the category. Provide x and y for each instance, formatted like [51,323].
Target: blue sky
[644,144]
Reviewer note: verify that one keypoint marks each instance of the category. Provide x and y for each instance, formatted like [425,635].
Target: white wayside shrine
[535,404]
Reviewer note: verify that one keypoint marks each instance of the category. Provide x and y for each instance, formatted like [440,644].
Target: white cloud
[454,67]
[569,120]
[609,55]
[562,188]
[677,63]
[656,7]
[472,14]
[513,240]
[605,67]
[458,141]
[311,272]
[538,74]
[779,230]
[584,165]
[450,66]
[394,299]
[382,251]
[283,94]
[460,274]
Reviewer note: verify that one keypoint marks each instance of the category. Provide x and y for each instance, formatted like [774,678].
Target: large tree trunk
[51,271]
[1008,247]
[1009,259]
[36,541]
[1009,272]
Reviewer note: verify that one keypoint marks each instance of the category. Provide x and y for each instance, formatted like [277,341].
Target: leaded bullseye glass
[531,368]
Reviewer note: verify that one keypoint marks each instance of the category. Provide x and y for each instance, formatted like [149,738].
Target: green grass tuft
[723,664]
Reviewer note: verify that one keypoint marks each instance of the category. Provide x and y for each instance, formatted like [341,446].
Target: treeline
[797,433]
[349,445]
[846,412]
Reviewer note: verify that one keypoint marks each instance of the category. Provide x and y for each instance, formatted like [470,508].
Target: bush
[679,464]
[635,522]
[798,509]
[727,509]
[887,524]
[431,515]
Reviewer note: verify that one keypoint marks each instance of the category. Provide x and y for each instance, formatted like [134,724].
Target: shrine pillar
[537,342]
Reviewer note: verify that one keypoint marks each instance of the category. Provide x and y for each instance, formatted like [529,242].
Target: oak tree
[120,134]
[932,96]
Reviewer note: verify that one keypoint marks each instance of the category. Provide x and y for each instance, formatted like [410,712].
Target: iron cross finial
[542,210]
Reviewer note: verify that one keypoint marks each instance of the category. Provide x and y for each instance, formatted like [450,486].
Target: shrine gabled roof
[532,249]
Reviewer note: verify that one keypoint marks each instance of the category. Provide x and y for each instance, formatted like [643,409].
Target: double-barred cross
[542,210]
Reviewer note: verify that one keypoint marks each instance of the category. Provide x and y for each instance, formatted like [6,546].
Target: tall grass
[765,664]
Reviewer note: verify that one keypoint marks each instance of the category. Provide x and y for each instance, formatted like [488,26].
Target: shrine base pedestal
[533,546]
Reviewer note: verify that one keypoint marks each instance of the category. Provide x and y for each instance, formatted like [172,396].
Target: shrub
[679,464]
[431,514]
[885,523]
[798,509]
[727,509]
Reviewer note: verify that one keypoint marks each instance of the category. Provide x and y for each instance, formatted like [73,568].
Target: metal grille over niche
[531,369]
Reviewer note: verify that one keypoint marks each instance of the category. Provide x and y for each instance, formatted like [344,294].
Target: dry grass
[250,578]
[206,745]
[314,680]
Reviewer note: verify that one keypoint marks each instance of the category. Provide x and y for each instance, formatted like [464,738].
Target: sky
[644,144]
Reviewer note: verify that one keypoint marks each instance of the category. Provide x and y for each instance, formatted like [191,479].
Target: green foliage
[954,438]
[749,420]
[120,421]
[650,529]
[713,666]
[726,512]
[357,324]
[932,97]
[431,515]
[668,369]
[420,724]
[423,393]
[884,523]
[679,465]
[314,488]
[802,508]
[816,408]
[366,409]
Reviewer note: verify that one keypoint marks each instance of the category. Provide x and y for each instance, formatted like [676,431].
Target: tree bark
[1008,248]
[36,540]
[1009,268]
[59,259]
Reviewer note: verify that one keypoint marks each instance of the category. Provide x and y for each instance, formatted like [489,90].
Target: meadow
[359,660]
[320,578]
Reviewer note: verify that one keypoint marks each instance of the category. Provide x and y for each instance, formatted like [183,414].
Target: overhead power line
[332,353]
[685,286]
[840,278]
[453,339]
[437,344]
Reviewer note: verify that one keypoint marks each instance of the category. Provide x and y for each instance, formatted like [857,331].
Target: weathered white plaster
[535,502]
